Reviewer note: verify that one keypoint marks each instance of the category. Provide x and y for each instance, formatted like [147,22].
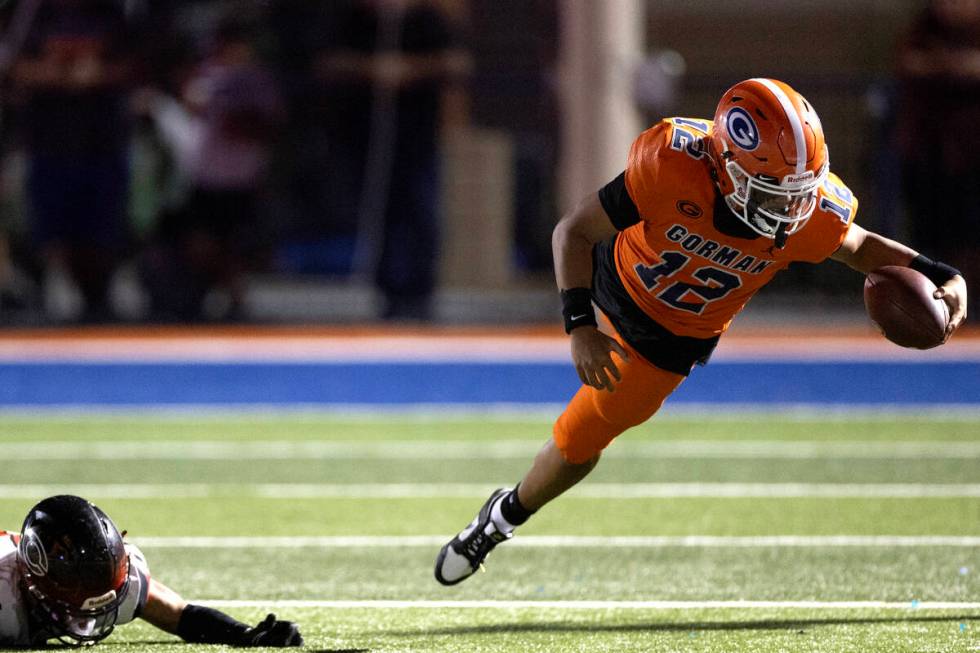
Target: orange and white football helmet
[771,158]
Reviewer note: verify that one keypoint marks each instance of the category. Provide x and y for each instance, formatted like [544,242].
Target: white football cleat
[464,554]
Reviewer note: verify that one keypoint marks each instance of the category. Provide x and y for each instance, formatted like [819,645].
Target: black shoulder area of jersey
[618,204]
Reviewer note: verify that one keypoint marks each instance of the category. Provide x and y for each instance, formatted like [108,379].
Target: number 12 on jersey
[716,282]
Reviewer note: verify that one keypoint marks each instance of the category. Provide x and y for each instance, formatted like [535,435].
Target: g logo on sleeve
[742,129]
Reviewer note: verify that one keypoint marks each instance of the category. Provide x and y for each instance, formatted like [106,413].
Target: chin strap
[781,235]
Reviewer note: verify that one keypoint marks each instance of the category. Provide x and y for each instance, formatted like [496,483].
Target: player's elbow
[560,234]
[580,227]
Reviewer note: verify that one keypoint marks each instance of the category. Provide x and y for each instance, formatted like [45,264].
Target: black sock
[512,510]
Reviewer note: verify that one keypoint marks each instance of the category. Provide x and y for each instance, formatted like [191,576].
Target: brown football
[899,301]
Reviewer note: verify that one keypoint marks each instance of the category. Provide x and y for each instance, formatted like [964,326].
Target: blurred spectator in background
[17,292]
[387,64]
[939,70]
[220,133]
[71,81]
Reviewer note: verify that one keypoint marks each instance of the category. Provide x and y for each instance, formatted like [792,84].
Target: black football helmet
[75,569]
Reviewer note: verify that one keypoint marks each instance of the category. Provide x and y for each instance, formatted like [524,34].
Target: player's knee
[584,455]
[580,444]
[588,465]
[582,440]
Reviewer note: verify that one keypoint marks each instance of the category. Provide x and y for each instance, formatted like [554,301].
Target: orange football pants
[593,418]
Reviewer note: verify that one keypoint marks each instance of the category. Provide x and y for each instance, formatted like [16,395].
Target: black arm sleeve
[200,625]
[618,204]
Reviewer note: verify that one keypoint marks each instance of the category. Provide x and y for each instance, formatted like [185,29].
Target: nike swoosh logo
[579,317]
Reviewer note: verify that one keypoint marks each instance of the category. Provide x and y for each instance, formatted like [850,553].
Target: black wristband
[200,625]
[937,272]
[576,308]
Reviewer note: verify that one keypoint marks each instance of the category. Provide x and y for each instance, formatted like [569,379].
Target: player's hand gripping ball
[899,301]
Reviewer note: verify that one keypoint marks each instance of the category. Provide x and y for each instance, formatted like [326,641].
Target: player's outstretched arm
[865,251]
[166,610]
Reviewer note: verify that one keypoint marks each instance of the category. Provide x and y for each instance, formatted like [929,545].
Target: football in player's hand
[899,301]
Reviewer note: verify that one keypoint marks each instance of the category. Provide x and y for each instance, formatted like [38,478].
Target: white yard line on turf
[469,450]
[596,605]
[496,411]
[636,490]
[292,491]
[566,541]
[380,413]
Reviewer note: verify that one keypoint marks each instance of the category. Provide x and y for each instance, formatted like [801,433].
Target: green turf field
[847,532]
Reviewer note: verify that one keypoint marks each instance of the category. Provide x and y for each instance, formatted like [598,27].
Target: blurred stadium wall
[513,157]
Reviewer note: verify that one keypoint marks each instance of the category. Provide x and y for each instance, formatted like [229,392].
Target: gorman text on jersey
[729,257]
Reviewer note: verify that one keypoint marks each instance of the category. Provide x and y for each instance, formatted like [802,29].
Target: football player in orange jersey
[705,214]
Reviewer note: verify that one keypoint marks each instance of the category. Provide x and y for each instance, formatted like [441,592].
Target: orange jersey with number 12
[678,268]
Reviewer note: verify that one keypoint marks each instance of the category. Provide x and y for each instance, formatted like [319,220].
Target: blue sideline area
[755,383]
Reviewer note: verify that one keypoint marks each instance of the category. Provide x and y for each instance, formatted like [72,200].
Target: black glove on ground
[272,632]
[209,626]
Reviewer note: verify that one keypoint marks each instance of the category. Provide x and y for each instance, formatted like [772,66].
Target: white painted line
[381,412]
[776,490]
[443,348]
[500,449]
[291,349]
[592,605]
[99,491]
[480,491]
[631,490]
[364,412]
[559,541]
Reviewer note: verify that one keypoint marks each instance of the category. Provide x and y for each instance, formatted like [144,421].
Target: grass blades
[409,481]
